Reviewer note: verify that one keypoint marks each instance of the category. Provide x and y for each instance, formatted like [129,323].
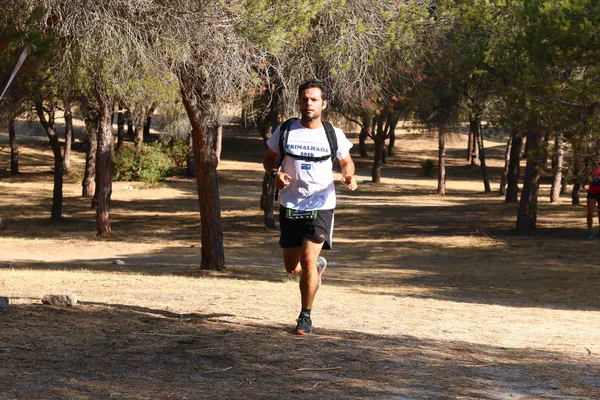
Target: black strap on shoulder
[332,139]
[284,131]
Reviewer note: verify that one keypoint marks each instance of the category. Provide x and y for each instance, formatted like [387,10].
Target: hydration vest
[284,131]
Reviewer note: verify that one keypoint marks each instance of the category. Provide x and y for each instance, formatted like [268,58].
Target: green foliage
[149,163]
[176,148]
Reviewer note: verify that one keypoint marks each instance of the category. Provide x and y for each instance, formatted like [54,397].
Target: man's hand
[349,182]
[281,180]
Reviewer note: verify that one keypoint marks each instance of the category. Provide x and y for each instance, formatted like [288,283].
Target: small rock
[64,299]
[119,262]
[3,305]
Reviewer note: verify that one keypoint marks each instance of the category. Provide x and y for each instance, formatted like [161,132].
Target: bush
[427,166]
[149,164]
[177,149]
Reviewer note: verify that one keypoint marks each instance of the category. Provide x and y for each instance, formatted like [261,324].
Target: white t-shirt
[311,186]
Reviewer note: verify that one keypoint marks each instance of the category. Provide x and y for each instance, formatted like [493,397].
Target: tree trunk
[89,179]
[536,156]
[14,148]
[104,171]
[557,156]
[474,148]
[514,168]
[68,134]
[391,150]
[120,128]
[379,138]
[441,189]
[266,125]
[575,199]
[148,120]
[470,146]
[139,135]
[504,179]
[49,127]
[362,137]
[478,134]
[191,167]
[200,109]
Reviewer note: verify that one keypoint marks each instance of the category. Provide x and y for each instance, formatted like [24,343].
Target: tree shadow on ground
[100,350]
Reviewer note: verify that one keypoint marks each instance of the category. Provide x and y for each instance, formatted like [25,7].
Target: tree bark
[362,136]
[379,139]
[478,135]
[104,170]
[120,128]
[68,134]
[200,109]
[536,157]
[148,121]
[504,179]
[266,125]
[50,128]
[441,189]
[514,168]
[558,157]
[139,135]
[392,143]
[14,147]
[470,145]
[89,179]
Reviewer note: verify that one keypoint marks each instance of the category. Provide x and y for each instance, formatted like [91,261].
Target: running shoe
[321,266]
[588,236]
[304,326]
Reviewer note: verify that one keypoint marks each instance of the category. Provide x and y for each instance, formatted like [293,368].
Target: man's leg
[591,203]
[309,279]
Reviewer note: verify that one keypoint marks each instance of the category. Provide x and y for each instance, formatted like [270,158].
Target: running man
[307,190]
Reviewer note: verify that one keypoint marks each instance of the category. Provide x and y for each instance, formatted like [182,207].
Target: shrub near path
[425,297]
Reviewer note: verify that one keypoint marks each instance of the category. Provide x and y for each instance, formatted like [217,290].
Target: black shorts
[594,196]
[293,232]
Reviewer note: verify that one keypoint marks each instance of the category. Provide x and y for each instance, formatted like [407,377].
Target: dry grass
[425,297]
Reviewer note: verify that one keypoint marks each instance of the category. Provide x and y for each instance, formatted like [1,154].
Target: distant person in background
[593,200]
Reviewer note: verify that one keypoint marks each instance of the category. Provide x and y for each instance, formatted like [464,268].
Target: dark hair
[313,84]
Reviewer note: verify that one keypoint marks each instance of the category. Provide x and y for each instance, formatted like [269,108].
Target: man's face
[312,104]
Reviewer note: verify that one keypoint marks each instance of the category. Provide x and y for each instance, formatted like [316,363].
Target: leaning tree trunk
[536,157]
[89,179]
[199,107]
[68,134]
[558,157]
[14,148]
[504,179]
[266,126]
[478,135]
[49,127]
[104,170]
[441,188]
[514,168]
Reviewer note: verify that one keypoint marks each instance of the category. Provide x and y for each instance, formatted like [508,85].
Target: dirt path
[425,297]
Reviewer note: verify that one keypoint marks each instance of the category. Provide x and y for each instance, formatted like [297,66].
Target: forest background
[469,90]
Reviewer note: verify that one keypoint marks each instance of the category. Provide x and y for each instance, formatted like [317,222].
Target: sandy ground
[425,297]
